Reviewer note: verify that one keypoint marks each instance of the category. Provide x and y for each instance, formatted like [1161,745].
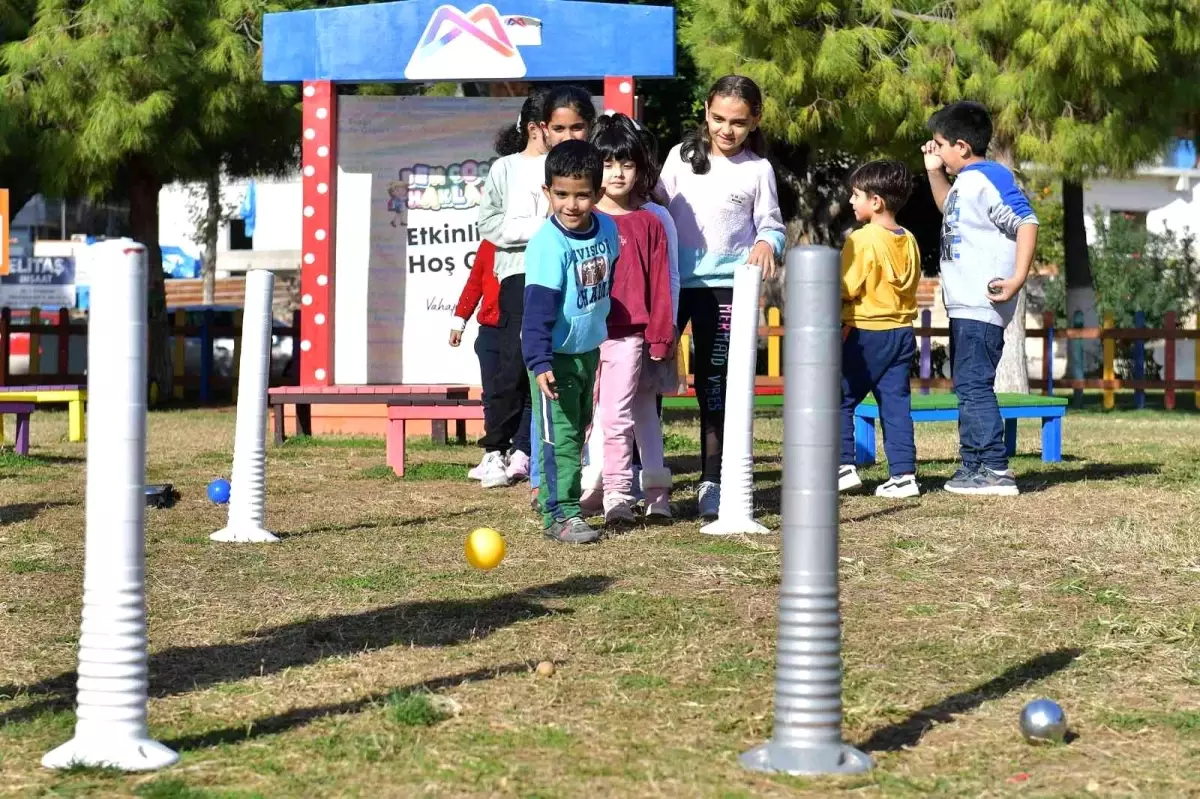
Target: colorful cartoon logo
[479,44]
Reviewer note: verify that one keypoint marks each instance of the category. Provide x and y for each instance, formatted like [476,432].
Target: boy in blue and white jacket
[568,279]
[989,236]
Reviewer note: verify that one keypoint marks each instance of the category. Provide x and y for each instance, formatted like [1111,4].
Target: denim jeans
[975,349]
[878,362]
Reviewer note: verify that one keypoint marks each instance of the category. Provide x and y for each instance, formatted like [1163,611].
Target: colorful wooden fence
[49,346]
[1108,334]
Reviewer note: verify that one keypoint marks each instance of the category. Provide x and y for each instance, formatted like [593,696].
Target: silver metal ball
[1043,721]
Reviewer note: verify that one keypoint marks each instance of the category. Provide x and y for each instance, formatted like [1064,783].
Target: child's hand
[455,338]
[762,255]
[933,161]
[845,332]
[546,385]
[1003,290]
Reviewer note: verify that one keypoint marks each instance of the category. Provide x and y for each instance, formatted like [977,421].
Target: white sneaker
[709,499]
[494,471]
[476,472]
[903,487]
[848,478]
[518,467]
[618,510]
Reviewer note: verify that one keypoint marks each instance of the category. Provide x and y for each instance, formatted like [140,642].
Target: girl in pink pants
[641,329]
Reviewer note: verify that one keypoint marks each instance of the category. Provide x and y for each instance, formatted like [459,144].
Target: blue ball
[218,491]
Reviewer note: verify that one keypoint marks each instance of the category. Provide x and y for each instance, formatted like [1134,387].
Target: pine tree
[131,96]
[1078,87]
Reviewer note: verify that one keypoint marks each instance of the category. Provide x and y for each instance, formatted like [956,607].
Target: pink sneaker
[518,467]
[656,485]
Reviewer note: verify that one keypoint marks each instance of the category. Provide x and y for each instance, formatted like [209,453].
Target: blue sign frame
[421,41]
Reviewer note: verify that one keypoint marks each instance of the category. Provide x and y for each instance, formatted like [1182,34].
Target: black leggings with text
[710,311]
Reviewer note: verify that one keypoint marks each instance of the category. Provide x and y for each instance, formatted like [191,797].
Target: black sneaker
[984,482]
[571,531]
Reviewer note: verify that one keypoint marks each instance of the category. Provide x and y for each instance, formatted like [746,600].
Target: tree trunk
[1012,373]
[212,226]
[144,186]
[1081,294]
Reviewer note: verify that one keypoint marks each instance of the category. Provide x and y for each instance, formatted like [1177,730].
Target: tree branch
[912,17]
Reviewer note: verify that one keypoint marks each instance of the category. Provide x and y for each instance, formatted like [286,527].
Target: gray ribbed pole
[807,738]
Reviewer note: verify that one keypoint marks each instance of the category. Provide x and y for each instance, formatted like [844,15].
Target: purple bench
[22,410]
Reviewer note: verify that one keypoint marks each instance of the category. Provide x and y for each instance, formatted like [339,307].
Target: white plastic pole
[247,490]
[110,725]
[735,515]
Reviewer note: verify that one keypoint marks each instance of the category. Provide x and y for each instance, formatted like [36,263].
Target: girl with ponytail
[511,210]
[720,190]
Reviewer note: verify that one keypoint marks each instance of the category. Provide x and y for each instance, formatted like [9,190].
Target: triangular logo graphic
[473,46]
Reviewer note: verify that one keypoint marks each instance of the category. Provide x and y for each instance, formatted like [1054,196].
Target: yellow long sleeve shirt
[880,272]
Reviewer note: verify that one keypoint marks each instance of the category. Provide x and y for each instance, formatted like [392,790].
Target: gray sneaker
[983,482]
[709,500]
[571,531]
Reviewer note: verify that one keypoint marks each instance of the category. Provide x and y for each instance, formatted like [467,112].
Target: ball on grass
[218,491]
[485,548]
[545,669]
[1043,721]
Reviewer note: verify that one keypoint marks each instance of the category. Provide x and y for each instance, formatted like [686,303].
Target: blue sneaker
[983,482]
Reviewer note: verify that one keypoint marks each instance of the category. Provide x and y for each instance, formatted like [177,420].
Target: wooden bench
[74,396]
[304,397]
[425,408]
[22,410]
[944,408]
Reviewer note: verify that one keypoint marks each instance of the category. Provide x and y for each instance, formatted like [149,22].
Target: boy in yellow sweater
[881,268]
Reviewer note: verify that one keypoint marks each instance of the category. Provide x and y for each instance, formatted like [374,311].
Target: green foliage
[1075,85]
[175,84]
[1132,270]
[1136,270]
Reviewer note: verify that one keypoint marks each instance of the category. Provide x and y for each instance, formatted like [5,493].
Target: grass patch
[640,682]
[414,709]
[1185,722]
[11,460]
[33,566]
[333,442]
[332,664]
[436,471]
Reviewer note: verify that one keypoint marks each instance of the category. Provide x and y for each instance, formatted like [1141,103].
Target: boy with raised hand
[568,278]
[989,235]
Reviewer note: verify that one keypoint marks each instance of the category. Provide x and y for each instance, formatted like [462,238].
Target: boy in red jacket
[482,284]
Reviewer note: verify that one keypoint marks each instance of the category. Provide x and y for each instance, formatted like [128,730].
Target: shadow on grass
[373,524]
[1034,480]
[24,511]
[909,732]
[298,717]
[302,643]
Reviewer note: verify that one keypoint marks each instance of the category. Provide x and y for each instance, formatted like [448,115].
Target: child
[881,268]
[721,193]
[668,383]
[481,283]
[510,212]
[641,329]
[568,114]
[989,235]
[569,278]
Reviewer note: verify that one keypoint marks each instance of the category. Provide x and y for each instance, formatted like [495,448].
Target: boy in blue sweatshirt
[568,277]
[989,235]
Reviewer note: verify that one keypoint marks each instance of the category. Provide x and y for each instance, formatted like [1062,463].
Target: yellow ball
[485,548]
